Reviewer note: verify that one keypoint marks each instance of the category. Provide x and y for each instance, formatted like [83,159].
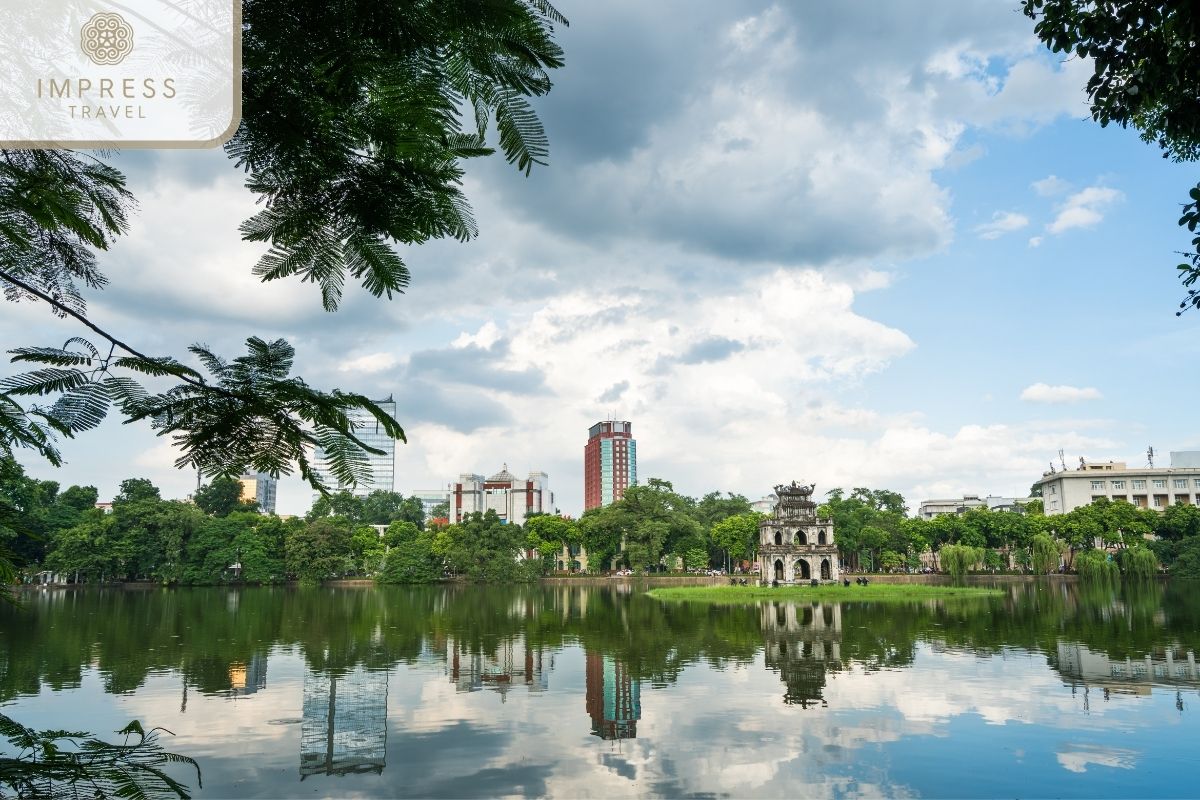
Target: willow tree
[958,559]
[1096,566]
[1047,553]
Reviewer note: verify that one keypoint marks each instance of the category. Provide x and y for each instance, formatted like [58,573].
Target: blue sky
[787,242]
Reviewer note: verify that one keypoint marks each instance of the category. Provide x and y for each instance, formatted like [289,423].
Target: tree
[222,497]
[1046,553]
[738,534]
[318,551]
[1096,566]
[1145,75]
[603,532]
[134,490]
[484,549]
[957,559]
[413,561]
[353,136]
[382,507]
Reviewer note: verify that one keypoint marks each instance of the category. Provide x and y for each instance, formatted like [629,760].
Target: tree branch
[20,284]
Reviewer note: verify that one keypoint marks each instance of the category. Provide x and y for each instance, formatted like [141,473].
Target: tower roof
[503,476]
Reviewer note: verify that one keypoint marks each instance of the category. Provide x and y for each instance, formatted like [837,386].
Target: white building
[960,505]
[383,467]
[1148,487]
[765,505]
[511,498]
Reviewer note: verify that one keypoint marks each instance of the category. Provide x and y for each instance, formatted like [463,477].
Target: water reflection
[518,687]
[802,641]
[614,697]
[345,722]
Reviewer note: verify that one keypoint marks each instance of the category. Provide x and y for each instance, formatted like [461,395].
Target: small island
[874,592]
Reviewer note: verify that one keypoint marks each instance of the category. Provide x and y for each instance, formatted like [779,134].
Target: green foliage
[73,764]
[379,157]
[482,548]
[248,413]
[1186,563]
[695,558]
[222,497]
[738,534]
[1096,566]
[1046,553]
[1145,75]
[413,560]
[1138,562]
[957,559]
[134,490]
[318,551]
[1178,522]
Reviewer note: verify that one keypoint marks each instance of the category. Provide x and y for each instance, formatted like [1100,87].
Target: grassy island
[873,592]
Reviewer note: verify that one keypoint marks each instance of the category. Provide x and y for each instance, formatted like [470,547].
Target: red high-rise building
[609,463]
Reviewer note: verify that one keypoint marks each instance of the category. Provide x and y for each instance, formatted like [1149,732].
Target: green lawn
[874,591]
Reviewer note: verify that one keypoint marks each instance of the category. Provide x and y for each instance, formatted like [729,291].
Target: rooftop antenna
[1150,456]
[1052,466]
[1061,460]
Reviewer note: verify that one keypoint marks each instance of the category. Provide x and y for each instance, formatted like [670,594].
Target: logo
[106,38]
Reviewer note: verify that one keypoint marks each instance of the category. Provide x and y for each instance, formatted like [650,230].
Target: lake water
[1053,690]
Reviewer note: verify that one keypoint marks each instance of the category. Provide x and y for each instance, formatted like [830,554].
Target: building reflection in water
[1166,666]
[513,663]
[249,677]
[614,698]
[802,644]
[345,722]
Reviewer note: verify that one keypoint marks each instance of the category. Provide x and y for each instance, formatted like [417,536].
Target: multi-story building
[383,467]
[511,498]
[961,505]
[609,463]
[261,488]
[431,499]
[766,505]
[1148,487]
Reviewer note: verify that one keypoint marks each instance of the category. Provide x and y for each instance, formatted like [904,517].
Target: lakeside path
[882,592]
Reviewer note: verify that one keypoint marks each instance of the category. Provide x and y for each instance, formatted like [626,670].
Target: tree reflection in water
[501,638]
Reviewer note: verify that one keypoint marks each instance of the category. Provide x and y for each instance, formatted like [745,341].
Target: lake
[1054,689]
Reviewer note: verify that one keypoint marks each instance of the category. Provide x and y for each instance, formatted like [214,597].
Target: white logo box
[119,73]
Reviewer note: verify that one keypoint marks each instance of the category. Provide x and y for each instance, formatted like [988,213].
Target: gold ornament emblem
[106,38]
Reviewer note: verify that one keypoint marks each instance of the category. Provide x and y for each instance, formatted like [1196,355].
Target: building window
[1181,483]
[1097,486]
[1160,483]
[1096,497]
[1181,500]
[1198,483]
[1120,498]
[1118,485]
[1139,484]
[1160,501]
[1053,489]
[1139,500]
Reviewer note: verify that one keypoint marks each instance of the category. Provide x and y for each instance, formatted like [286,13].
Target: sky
[855,244]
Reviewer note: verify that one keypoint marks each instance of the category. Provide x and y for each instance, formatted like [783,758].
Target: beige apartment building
[1148,487]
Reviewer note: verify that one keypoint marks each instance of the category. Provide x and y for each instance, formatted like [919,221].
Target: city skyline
[775,263]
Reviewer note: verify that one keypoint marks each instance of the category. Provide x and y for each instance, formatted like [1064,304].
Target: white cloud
[1080,756]
[1044,393]
[1002,222]
[1050,186]
[1084,208]
[372,362]
[1035,241]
